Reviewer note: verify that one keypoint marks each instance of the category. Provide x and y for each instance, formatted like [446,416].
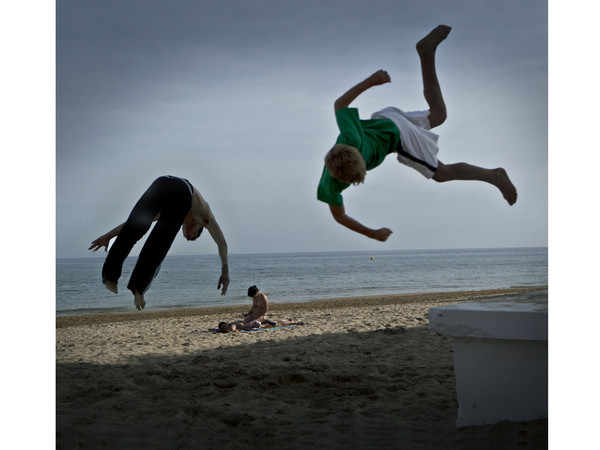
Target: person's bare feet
[138,301]
[506,187]
[111,286]
[430,42]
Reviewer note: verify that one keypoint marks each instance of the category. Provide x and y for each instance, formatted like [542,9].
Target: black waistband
[188,184]
[417,160]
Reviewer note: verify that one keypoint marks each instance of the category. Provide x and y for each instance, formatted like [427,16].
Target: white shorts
[419,144]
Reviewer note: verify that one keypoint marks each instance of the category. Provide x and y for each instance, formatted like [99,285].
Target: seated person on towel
[253,319]
[260,307]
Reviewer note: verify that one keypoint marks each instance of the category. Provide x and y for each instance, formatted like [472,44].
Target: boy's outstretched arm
[104,240]
[340,216]
[215,231]
[379,77]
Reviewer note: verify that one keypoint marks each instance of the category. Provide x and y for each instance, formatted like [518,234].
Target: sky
[237,97]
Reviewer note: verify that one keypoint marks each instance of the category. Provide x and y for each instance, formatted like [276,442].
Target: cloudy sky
[238,96]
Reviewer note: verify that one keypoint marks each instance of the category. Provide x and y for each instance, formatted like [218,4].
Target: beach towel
[268,328]
[216,329]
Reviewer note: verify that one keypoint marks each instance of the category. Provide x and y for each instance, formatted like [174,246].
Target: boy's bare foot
[506,187]
[430,42]
[111,286]
[138,301]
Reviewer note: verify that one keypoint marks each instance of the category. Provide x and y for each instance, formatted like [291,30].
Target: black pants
[171,197]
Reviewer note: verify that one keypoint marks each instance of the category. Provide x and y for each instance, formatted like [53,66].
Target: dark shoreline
[374,300]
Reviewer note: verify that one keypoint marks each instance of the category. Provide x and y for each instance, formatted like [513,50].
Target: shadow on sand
[358,390]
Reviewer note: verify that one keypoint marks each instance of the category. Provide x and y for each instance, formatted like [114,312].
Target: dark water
[191,281]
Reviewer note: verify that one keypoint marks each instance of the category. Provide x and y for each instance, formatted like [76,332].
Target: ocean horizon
[186,281]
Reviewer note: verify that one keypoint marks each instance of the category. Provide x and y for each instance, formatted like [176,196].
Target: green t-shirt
[374,139]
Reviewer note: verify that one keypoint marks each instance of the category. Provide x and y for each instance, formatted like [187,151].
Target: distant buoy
[371,258]
[166,271]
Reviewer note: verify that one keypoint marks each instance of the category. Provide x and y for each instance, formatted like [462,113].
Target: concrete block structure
[500,356]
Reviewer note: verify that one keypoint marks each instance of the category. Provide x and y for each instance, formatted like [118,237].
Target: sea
[186,281]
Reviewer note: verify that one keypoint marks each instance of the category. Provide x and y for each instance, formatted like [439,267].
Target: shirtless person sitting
[256,317]
[260,306]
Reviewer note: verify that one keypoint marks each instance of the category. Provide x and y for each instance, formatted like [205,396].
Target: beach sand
[360,373]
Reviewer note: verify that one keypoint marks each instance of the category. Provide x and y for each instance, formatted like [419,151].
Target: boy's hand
[381,235]
[379,77]
[102,241]
[224,282]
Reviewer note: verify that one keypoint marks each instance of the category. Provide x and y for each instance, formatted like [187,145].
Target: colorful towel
[268,328]
[216,329]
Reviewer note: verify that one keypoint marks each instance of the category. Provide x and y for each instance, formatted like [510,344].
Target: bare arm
[340,216]
[379,77]
[215,231]
[104,240]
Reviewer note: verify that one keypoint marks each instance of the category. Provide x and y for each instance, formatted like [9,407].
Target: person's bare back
[260,306]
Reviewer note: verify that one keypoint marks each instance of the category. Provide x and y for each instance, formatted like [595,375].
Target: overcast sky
[237,96]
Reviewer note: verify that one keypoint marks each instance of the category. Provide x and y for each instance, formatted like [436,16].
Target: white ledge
[519,317]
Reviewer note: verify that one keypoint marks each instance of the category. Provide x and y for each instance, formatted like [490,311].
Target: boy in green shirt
[363,144]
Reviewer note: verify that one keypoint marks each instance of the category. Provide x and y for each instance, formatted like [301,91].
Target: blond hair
[345,163]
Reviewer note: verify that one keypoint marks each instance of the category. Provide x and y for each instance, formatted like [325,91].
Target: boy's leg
[463,171]
[175,204]
[154,251]
[137,224]
[426,48]
[151,256]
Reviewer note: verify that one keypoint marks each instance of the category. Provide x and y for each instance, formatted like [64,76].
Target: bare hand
[102,241]
[379,77]
[382,234]
[223,281]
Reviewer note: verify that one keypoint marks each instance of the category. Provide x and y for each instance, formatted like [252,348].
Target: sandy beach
[361,372]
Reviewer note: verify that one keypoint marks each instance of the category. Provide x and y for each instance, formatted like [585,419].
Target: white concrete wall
[500,357]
